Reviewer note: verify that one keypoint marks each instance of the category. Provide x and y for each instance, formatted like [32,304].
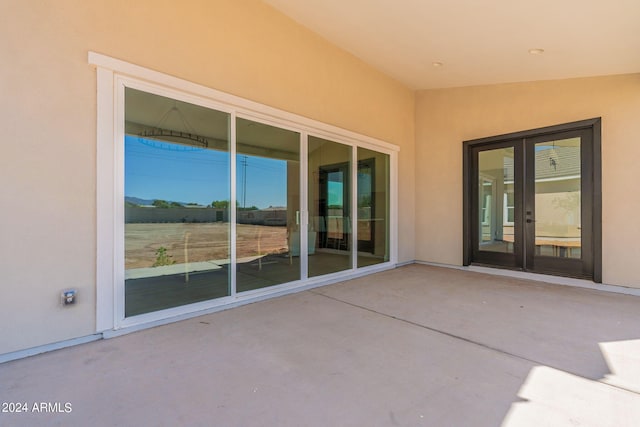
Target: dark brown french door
[532,201]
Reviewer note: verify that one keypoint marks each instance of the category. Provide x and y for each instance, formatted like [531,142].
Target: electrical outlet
[69,296]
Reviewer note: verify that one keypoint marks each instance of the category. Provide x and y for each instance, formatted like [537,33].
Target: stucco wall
[48,117]
[445,118]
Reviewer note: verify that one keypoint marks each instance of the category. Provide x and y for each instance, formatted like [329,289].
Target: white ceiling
[479,41]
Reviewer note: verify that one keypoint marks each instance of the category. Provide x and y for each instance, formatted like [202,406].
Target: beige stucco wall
[48,119]
[445,118]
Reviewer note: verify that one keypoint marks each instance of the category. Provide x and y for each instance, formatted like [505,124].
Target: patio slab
[403,347]
[557,326]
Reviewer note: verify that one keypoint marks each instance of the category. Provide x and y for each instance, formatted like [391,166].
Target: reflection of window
[485,211]
[509,205]
[335,190]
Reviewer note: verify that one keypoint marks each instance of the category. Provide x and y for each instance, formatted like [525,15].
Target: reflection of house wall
[557,213]
[558,208]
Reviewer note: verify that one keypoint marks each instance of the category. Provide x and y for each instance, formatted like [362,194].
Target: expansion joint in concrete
[458,337]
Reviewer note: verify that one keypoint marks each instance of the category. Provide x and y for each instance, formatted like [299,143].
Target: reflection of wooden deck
[159,292]
[556,243]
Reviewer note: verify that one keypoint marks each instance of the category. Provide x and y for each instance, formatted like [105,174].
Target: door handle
[529,221]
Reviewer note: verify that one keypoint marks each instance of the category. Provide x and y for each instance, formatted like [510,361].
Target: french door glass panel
[177,190]
[558,198]
[373,207]
[495,220]
[329,205]
[268,205]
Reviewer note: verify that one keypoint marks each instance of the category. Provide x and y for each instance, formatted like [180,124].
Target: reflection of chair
[294,244]
[339,230]
[319,226]
[346,228]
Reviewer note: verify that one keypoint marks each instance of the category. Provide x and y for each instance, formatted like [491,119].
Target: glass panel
[557,200]
[329,231]
[268,204]
[373,207]
[176,203]
[495,198]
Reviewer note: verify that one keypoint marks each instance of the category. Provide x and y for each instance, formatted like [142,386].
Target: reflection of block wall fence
[269,216]
[195,215]
[154,215]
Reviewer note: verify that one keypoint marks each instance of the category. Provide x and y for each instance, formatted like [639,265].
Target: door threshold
[556,280]
[539,276]
[545,278]
[550,273]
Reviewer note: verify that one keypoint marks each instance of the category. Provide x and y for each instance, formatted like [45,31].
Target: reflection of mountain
[138,201]
[148,202]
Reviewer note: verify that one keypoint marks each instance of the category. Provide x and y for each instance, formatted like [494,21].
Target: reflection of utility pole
[244,181]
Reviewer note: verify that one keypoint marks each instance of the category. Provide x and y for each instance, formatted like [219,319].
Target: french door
[532,201]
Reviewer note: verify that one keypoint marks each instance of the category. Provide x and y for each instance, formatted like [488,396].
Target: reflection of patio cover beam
[173,136]
[158,133]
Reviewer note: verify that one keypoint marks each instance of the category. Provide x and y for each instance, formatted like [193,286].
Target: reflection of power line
[244,181]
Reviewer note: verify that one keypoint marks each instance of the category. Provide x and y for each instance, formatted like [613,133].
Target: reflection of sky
[335,193]
[364,184]
[335,188]
[174,172]
[540,147]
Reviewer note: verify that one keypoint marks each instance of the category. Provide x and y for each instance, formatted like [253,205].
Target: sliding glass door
[329,194]
[214,207]
[267,205]
[176,203]
[373,205]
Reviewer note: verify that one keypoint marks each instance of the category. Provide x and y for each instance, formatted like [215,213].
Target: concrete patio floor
[414,346]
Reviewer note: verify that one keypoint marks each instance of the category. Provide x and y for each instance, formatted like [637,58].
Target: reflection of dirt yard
[208,241]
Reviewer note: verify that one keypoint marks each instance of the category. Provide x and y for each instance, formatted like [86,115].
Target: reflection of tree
[163,258]
[224,204]
[220,204]
[364,201]
[160,203]
[163,204]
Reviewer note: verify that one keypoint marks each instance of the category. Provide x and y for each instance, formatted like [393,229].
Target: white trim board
[33,351]
[258,110]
